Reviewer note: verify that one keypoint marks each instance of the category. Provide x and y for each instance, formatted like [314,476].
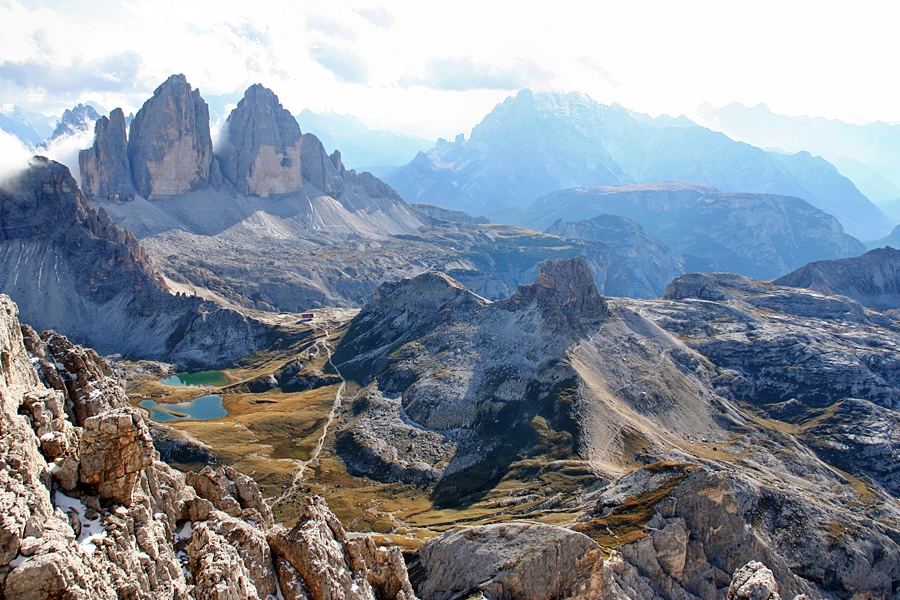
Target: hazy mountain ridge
[534,144]
[761,235]
[362,148]
[867,154]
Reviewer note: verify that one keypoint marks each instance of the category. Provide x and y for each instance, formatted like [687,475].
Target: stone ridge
[169,145]
[263,154]
[88,512]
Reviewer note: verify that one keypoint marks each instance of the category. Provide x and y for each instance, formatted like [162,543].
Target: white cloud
[14,156]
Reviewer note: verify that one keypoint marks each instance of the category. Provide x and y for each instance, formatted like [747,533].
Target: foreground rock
[87,510]
[515,560]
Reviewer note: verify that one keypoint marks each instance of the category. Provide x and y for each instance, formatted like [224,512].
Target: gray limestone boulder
[513,560]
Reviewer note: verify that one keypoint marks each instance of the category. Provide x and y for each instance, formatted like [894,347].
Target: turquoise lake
[198,379]
[203,408]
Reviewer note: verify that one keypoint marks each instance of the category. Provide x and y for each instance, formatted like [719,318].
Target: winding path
[302,465]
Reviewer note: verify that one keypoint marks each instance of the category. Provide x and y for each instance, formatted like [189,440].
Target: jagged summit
[262,156]
[565,291]
[169,145]
[105,168]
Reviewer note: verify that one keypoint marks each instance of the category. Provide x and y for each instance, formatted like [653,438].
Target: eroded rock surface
[105,168]
[515,560]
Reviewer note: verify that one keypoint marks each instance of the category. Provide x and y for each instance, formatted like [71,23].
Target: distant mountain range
[869,155]
[534,144]
[375,150]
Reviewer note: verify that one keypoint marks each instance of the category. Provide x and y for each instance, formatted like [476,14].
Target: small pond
[197,379]
[203,408]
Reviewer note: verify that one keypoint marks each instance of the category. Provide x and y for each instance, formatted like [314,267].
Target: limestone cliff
[87,510]
[105,169]
[169,145]
[262,156]
[73,269]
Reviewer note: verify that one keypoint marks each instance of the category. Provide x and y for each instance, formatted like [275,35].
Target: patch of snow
[17,561]
[91,530]
[185,533]
[48,437]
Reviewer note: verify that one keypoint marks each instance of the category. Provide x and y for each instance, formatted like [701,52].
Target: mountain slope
[867,154]
[760,235]
[872,279]
[534,144]
[73,269]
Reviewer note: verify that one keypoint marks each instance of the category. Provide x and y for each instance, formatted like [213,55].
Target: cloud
[14,156]
[344,64]
[329,27]
[108,74]
[463,74]
[379,17]
[65,150]
[590,63]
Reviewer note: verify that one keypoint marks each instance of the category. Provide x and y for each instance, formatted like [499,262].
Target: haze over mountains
[867,154]
[534,144]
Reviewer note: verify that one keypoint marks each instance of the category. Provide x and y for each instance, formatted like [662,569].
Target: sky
[436,68]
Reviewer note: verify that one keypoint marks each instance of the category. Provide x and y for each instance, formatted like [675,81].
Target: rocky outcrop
[169,144]
[73,269]
[753,581]
[76,120]
[513,560]
[105,169]
[451,382]
[565,292]
[331,565]
[87,511]
[262,155]
[872,279]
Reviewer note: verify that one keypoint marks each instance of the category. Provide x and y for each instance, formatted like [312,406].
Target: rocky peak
[105,170]
[169,147]
[74,120]
[263,156]
[565,291]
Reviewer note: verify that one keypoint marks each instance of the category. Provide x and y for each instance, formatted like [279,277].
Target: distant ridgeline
[534,144]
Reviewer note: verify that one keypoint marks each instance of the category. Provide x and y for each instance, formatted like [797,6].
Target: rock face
[73,269]
[87,510]
[515,560]
[169,145]
[73,121]
[753,581]
[105,169]
[263,153]
[872,279]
